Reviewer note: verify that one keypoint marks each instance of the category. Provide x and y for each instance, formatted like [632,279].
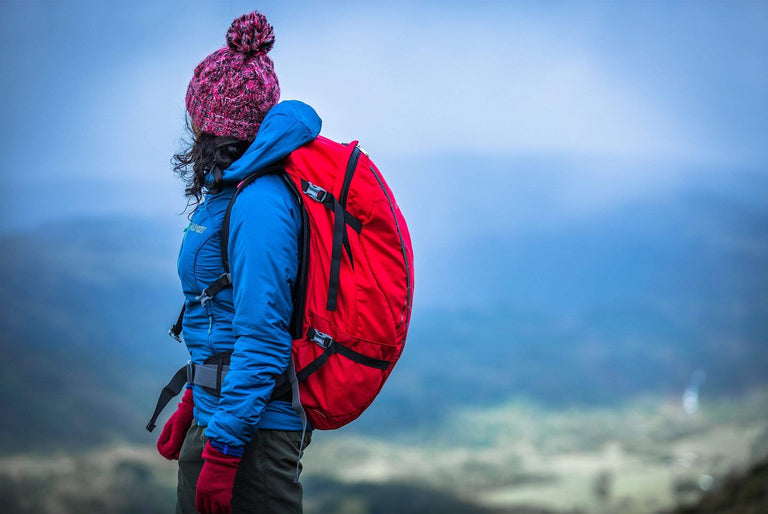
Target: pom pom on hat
[251,34]
[233,88]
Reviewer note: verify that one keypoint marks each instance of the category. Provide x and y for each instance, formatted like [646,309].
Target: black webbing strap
[175,330]
[360,358]
[302,276]
[213,289]
[354,223]
[339,233]
[172,389]
[340,238]
[282,389]
[209,292]
[326,341]
[282,386]
[327,199]
[225,224]
[341,218]
[285,387]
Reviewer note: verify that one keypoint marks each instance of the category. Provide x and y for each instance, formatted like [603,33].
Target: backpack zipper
[407,307]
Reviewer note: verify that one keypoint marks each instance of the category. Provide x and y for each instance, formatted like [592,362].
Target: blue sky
[627,98]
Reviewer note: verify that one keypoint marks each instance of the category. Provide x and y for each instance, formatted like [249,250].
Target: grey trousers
[264,480]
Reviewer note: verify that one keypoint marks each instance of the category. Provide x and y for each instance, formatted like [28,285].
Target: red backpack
[354,292]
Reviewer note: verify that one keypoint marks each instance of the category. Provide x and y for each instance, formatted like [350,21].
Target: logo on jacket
[194,227]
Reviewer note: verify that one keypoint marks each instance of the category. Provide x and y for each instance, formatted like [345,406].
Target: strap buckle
[174,336]
[323,340]
[316,193]
[190,372]
[203,297]
[224,281]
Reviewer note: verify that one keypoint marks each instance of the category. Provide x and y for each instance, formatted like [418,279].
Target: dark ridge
[738,493]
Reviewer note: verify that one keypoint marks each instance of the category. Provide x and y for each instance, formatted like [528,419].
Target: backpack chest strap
[221,283]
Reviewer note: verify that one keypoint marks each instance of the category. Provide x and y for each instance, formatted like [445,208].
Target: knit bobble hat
[233,88]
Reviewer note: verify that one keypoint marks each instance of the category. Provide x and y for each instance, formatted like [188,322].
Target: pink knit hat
[234,87]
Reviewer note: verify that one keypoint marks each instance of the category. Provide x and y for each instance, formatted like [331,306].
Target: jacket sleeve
[263,255]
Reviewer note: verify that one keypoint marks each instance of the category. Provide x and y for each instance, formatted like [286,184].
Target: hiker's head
[230,93]
[233,88]
[200,164]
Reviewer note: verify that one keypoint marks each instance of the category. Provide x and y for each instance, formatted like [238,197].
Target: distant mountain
[86,304]
[595,309]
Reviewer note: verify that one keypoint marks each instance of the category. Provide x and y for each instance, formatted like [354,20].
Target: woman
[238,449]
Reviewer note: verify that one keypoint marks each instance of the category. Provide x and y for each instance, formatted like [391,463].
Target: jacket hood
[286,127]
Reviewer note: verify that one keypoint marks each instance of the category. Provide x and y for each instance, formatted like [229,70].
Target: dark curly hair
[206,155]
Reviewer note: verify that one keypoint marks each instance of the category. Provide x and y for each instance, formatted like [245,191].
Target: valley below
[646,456]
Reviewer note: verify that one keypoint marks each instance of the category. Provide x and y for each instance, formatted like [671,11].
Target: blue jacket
[252,317]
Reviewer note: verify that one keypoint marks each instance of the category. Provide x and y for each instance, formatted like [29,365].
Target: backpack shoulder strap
[300,286]
[225,225]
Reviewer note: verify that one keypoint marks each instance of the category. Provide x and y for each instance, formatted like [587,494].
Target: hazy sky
[636,96]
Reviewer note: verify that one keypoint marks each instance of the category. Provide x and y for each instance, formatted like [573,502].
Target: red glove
[216,480]
[174,431]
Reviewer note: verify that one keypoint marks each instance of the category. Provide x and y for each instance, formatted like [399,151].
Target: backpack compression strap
[330,346]
[341,219]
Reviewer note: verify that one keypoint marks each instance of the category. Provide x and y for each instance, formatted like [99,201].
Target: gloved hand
[216,480]
[174,431]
